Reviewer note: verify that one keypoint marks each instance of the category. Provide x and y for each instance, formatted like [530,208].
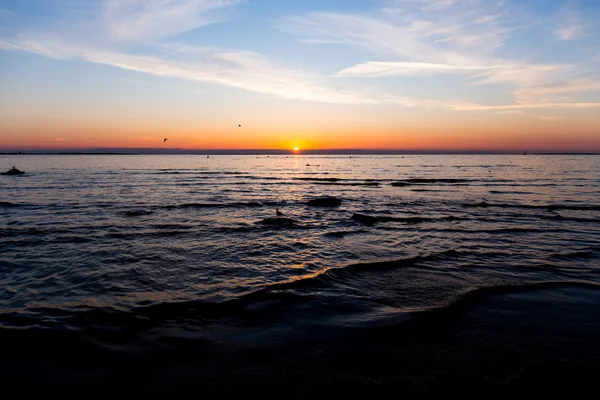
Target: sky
[500,75]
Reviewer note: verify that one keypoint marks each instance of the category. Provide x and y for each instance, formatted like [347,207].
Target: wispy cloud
[424,38]
[431,5]
[148,20]
[571,25]
[479,107]
[380,68]
[552,118]
[571,32]
[409,38]
[458,105]
[531,83]
[436,31]
[240,69]
[111,40]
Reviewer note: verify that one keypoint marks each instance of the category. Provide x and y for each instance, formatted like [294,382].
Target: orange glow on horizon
[473,132]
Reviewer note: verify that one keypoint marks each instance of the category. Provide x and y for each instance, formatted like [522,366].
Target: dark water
[125,254]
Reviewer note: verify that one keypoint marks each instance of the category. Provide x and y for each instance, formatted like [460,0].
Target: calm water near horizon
[176,244]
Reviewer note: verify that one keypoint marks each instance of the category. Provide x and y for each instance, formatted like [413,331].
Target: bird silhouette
[239,126]
[165,140]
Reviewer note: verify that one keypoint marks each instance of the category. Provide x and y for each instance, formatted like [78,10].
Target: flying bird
[239,126]
[165,140]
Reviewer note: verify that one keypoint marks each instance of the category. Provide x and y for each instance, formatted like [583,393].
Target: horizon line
[334,151]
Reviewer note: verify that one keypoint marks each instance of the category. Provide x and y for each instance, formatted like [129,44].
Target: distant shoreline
[268,152]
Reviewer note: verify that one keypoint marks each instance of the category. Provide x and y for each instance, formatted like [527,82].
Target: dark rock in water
[325,201]
[278,221]
[13,171]
[364,219]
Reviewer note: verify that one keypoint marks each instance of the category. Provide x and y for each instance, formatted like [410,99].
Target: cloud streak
[375,69]
[409,38]
[571,32]
[115,37]
[424,38]
[571,26]
[149,20]
[239,69]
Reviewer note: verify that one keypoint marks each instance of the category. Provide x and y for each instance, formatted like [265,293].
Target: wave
[221,205]
[420,181]
[476,295]
[348,183]
[200,171]
[509,192]
[147,315]
[504,230]
[137,213]
[341,234]
[8,204]
[575,255]
[27,231]
[485,204]
[133,235]
[371,220]
[263,303]
[574,219]
[319,179]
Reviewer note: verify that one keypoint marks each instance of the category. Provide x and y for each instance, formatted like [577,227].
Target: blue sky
[530,59]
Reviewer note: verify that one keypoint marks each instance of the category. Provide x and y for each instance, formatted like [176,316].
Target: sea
[410,275]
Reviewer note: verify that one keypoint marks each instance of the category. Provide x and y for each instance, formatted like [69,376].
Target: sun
[296,148]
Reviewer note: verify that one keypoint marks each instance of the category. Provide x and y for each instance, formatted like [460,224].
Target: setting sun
[296,149]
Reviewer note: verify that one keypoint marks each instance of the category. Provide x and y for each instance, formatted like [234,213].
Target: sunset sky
[317,74]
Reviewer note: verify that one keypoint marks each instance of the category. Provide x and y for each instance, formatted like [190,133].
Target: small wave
[509,192]
[485,204]
[347,183]
[201,171]
[8,204]
[575,255]
[341,234]
[502,230]
[137,213]
[412,181]
[476,295]
[218,205]
[236,229]
[573,219]
[319,179]
[371,220]
[136,234]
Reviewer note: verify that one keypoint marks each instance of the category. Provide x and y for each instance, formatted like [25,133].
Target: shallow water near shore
[131,256]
